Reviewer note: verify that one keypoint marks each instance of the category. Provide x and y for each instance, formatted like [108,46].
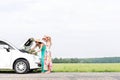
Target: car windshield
[4,43]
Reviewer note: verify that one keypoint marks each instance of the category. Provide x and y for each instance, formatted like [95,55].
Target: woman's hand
[35,53]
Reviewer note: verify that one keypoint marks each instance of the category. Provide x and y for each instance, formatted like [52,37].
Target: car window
[2,44]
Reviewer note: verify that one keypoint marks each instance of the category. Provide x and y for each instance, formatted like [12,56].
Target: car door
[5,55]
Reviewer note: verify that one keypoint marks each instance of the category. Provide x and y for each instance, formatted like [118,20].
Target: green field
[80,67]
[86,67]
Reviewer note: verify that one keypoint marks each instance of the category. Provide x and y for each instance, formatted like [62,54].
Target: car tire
[21,66]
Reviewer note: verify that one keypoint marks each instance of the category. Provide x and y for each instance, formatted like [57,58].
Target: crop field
[86,67]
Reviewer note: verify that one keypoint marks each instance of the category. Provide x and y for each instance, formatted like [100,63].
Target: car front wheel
[21,66]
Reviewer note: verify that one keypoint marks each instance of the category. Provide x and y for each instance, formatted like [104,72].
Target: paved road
[60,76]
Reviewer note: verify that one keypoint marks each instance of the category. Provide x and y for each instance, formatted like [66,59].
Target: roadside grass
[86,67]
[79,67]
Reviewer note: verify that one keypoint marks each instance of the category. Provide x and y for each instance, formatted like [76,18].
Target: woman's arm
[41,45]
[34,47]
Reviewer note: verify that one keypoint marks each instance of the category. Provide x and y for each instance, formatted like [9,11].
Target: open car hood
[28,44]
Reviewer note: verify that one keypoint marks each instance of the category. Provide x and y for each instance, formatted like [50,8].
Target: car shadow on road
[6,72]
[13,72]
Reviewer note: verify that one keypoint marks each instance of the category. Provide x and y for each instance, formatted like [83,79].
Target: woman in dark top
[42,50]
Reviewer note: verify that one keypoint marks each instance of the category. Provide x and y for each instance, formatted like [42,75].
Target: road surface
[60,76]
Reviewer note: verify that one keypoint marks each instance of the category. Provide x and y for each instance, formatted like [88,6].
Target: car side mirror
[7,48]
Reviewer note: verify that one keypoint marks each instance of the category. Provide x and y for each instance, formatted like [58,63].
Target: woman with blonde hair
[48,58]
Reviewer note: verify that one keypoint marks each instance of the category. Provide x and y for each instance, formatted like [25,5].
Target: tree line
[87,60]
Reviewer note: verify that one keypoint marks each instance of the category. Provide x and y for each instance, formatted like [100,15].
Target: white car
[18,60]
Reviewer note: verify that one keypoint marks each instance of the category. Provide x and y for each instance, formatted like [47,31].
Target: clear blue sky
[79,28]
